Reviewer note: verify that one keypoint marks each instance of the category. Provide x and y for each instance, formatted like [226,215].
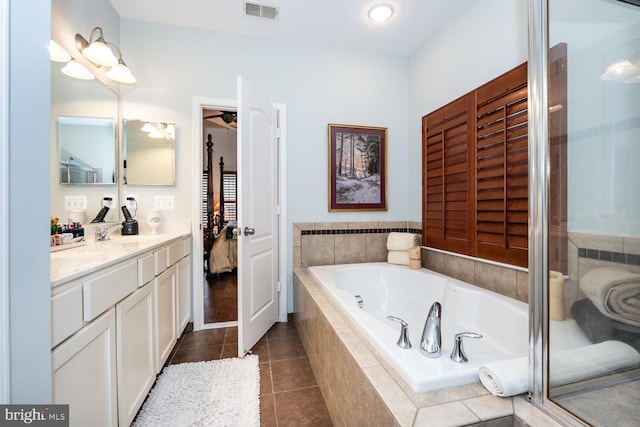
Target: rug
[220,393]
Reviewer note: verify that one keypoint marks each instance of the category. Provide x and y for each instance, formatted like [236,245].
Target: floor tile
[266,386]
[203,338]
[290,374]
[232,335]
[286,348]
[302,407]
[281,330]
[197,354]
[229,350]
[267,411]
[262,350]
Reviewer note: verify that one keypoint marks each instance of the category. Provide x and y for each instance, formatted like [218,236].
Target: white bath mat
[217,393]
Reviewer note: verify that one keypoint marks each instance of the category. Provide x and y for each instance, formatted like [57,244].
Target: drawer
[105,290]
[146,269]
[176,252]
[187,246]
[66,314]
[161,260]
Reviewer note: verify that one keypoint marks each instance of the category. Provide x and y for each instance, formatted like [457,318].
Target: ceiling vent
[260,10]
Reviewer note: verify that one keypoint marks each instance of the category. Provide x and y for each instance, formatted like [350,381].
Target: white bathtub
[398,291]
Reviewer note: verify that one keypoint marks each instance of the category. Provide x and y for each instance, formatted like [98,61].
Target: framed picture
[357,168]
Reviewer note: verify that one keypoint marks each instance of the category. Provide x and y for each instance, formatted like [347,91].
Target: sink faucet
[102,235]
[431,341]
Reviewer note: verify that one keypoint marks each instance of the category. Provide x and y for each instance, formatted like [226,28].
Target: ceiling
[334,23]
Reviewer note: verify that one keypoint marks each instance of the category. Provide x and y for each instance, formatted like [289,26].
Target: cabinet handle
[249,231]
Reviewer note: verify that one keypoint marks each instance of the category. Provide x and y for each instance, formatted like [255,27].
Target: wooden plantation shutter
[230,194]
[447,183]
[501,154]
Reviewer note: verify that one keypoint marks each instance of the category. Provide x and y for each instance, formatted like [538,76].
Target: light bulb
[380,12]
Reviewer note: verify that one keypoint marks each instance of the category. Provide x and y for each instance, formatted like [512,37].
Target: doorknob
[249,231]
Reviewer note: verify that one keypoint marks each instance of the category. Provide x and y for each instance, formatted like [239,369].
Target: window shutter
[230,195]
[447,195]
[501,151]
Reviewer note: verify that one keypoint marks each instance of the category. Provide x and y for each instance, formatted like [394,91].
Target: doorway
[199,105]
[219,217]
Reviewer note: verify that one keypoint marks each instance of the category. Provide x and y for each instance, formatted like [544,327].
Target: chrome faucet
[403,341]
[457,355]
[102,235]
[431,341]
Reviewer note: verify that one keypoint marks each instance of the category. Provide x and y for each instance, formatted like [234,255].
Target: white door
[257,216]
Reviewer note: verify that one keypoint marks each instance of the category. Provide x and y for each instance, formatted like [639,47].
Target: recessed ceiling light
[380,12]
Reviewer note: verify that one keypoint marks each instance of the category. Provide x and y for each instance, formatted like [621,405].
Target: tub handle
[457,355]
[403,341]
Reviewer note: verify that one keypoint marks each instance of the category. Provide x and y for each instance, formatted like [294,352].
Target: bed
[220,236]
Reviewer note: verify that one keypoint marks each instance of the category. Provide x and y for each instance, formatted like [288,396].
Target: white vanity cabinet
[183,293]
[113,328]
[135,351]
[165,315]
[84,374]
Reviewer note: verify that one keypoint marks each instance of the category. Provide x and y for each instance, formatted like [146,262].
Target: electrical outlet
[108,203]
[73,203]
[163,202]
[132,205]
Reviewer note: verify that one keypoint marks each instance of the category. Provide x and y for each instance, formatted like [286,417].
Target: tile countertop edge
[108,256]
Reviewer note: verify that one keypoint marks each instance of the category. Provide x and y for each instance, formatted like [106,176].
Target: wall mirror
[86,150]
[148,143]
[83,144]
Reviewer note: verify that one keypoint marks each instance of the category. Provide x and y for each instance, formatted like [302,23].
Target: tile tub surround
[327,243]
[361,389]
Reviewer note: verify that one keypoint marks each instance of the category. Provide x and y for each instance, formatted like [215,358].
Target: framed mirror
[148,143]
[86,150]
[84,132]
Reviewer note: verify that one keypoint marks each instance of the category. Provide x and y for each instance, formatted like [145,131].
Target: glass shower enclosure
[584,261]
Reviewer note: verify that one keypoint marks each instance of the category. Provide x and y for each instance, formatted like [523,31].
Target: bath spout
[431,341]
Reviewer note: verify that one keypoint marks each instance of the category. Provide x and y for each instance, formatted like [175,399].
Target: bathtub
[390,290]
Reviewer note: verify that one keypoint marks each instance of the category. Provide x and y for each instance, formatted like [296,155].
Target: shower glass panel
[594,210]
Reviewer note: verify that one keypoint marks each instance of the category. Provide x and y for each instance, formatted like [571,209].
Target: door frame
[197,309]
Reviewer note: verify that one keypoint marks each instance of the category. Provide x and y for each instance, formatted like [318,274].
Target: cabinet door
[165,315]
[84,374]
[135,352]
[183,291]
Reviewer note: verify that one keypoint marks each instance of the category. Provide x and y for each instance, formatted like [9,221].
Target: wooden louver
[501,158]
[446,177]
[475,172]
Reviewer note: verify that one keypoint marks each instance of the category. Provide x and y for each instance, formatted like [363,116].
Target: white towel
[510,377]
[615,292]
[400,241]
[398,257]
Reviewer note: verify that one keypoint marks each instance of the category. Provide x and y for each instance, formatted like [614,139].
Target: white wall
[480,42]
[29,284]
[318,85]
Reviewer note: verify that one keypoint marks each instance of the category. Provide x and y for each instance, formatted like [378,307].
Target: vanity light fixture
[380,12]
[618,69]
[96,49]
[100,52]
[57,53]
[77,70]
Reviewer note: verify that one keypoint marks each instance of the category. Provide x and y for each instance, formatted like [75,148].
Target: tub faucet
[403,341]
[102,235]
[431,341]
[457,355]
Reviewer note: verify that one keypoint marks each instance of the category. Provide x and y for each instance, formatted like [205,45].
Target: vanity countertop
[70,264]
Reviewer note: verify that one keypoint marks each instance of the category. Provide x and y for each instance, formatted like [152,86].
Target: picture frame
[357,168]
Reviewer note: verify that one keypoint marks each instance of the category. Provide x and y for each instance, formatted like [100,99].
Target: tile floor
[289,393]
[221,297]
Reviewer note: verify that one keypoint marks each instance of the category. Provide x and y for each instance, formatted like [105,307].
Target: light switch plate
[72,203]
[164,202]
